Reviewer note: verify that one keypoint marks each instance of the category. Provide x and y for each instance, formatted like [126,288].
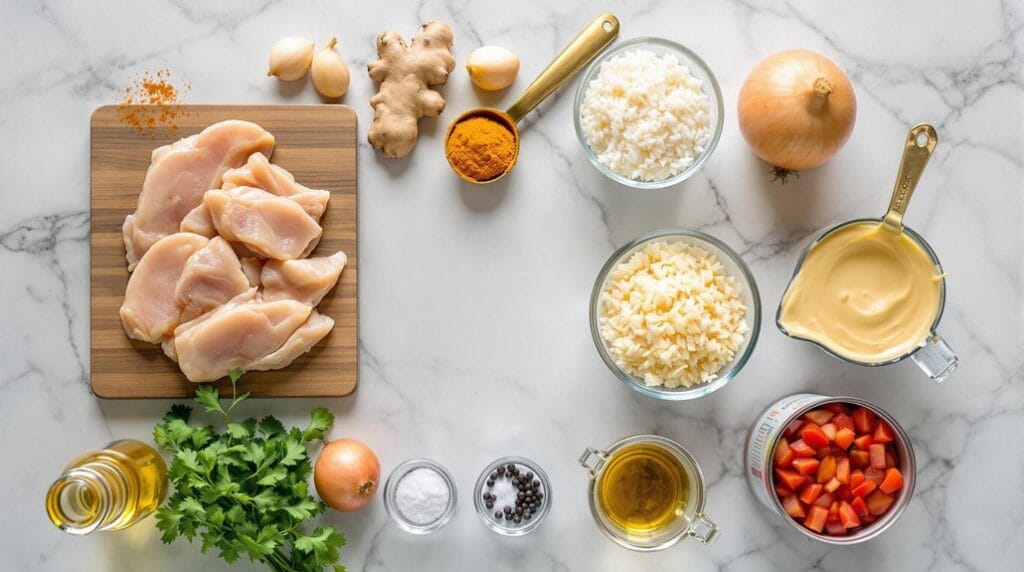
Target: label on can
[764,434]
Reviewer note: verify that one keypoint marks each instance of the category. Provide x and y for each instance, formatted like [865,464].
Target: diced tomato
[883,433]
[877,451]
[863,442]
[866,520]
[863,489]
[825,452]
[825,500]
[829,430]
[826,469]
[832,485]
[860,459]
[843,421]
[863,420]
[844,437]
[789,478]
[856,477]
[847,516]
[793,507]
[874,475]
[813,436]
[783,454]
[878,502]
[800,449]
[843,492]
[810,493]
[833,511]
[837,407]
[843,470]
[816,518]
[782,490]
[859,506]
[890,460]
[833,528]
[793,427]
[819,416]
[892,482]
[806,466]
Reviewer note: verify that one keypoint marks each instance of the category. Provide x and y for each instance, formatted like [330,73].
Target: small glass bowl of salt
[419,496]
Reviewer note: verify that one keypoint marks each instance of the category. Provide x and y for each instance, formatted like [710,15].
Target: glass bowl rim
[724,376]
[689,56]
[391,486]
[484,513]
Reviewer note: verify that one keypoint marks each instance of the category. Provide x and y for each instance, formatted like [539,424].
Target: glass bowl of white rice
[675,314]
[648,113]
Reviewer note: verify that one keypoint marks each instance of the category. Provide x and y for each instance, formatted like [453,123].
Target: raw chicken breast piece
[180,173]
[236,335]
[269,225]
[198,221]
[252,267]
[308,335]
[306,280]
[149,312]
[212,277]
[259,173]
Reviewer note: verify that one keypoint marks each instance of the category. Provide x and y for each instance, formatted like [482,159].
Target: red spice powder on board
[152,104]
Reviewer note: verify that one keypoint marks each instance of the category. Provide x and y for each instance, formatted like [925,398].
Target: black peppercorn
[497,514]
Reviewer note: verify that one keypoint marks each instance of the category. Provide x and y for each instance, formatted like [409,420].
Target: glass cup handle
[936,358]
[703,529]
[592,460]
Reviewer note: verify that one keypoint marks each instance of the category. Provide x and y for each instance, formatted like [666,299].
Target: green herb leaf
[294,452]
[273,476]
[271,427]
[323,543]
[167,521]
[209,397]
[321,420]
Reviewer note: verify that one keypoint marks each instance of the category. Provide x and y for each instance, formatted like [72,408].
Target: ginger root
[405,75]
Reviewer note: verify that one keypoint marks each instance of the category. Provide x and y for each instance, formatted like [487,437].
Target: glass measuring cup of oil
[109,489]
[647,493]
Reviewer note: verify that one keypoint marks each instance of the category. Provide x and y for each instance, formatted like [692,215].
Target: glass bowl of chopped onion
[675,314]
[648,113]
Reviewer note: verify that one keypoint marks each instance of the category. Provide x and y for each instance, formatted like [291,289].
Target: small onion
[346,474]
[329,72]
[796,109]
[290,58]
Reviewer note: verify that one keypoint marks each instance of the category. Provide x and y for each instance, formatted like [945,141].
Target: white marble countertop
[474,337]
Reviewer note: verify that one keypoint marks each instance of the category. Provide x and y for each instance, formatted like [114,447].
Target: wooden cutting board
[317,143]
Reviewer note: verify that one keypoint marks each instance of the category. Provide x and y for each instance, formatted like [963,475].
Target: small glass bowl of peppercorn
[512,496]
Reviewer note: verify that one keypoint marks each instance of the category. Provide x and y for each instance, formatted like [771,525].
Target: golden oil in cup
[647,493]
[109,489]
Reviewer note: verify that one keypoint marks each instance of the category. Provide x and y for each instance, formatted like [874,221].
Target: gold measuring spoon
[594,38]
[921,141]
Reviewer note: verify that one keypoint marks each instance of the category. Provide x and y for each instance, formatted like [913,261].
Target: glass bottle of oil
[108,489]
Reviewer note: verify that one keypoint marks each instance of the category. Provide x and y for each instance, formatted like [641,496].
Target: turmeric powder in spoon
[480,148]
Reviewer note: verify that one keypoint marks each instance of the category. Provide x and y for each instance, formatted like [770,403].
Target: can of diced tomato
[768,429]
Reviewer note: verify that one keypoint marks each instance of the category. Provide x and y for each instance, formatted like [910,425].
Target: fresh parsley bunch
[245,491]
